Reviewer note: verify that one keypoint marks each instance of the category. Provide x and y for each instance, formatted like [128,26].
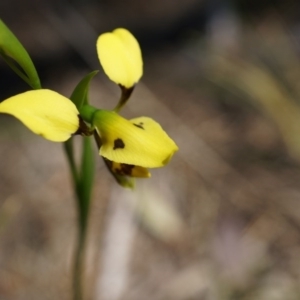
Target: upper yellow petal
[45,112]
[141,141]
[120,56]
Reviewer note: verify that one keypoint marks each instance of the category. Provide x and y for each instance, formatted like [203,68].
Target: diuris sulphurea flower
[44,112]
[138,142]
[129,147]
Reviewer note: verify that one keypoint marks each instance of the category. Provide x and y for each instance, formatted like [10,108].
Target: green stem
[87,113]
[68,147]
[83,197]
[78,263]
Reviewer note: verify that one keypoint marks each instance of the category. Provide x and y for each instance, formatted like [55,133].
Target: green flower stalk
[130,145]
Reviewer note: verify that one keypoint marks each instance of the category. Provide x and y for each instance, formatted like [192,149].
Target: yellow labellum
[120,56]
[44,112]
[128,170]
[140,142]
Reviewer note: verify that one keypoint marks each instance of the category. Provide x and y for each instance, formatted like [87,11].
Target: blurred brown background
[222,220]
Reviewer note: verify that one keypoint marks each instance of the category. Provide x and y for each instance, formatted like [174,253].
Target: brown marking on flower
[127,169]
[119,144]
[140,125]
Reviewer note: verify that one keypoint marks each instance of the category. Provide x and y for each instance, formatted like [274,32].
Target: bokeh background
[222,220]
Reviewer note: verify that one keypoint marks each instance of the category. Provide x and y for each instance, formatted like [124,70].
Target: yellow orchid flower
[120,56]
[44,112]
[139,142]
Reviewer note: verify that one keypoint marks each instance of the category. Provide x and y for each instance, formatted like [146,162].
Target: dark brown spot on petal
[120,169]
[127,169]
[119,144]
[123,169]
[140,125]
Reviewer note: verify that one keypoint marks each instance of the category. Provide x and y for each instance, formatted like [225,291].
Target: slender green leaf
[17,57]
[80,93]
[87,174]
[69,150]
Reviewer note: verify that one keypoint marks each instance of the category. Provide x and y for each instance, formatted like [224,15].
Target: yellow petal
[141,141]
[120,56]
[45,112]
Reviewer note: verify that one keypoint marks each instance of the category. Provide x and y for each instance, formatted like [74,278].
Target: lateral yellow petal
[120,56]
[44,112]
[141,141]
